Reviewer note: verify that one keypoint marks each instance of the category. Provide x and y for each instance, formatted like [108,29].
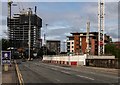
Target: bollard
[5,67]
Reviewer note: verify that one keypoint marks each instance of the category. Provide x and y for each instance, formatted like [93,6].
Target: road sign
[6,57]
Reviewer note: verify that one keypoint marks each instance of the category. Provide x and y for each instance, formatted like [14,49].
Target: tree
[5,44]
[111,49]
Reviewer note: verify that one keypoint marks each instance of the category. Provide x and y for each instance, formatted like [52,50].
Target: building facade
[77,43]
[18,28]
[53,46]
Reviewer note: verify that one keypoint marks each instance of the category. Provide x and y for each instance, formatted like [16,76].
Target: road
[38,72]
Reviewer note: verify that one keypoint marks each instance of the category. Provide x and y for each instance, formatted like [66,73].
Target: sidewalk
[9,77]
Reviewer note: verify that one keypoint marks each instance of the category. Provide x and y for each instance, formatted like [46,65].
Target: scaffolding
[19,26]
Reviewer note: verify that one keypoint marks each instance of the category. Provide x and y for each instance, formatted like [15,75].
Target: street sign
[6,57]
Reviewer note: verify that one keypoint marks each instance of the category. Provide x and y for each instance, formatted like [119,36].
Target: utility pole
[101,19]
[88,38]
[44,44]
[29,32]
[9,18]
[45,39]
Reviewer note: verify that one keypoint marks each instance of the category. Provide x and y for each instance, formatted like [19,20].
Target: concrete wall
[69,60]
[76,60]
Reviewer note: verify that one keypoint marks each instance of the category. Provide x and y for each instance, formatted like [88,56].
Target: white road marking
[85,77]
[57,80]
[66,72]
[54,69]
[92,73]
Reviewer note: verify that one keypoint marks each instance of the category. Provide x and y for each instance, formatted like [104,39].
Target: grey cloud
[4,22]
[75,20]
[111,11]
[112,31]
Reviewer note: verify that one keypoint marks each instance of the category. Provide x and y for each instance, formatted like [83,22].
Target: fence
[107,63]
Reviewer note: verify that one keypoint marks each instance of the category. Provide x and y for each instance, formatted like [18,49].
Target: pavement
[39,72]
[9,77]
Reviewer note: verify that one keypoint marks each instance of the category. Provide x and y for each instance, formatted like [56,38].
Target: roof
[84,33]
[70,36]
[53,40]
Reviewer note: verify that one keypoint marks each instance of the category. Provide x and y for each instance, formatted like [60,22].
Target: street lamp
[10,4]
[45,40]
[29,32]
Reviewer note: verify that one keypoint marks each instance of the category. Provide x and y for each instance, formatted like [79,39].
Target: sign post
[6,59]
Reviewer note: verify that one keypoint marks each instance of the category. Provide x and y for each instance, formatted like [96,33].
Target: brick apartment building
[77,43]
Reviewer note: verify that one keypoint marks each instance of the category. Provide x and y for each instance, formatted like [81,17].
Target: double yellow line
[20,78]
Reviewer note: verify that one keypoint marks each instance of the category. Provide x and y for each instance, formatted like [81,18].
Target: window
[72,46]
[72,42]
[68,43]
[68,50]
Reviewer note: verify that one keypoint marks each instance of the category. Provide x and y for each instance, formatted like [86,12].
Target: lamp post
[29,32]
[45,40]
[10,4]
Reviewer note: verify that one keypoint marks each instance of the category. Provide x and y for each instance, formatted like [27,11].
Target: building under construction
[19,26]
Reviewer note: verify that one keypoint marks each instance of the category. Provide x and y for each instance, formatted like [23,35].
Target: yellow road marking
[20,78]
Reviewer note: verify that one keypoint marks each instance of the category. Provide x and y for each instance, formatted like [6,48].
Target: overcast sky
[66,17]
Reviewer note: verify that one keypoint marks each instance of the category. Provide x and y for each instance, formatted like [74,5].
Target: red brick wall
[92,46]
[84,44]
[76,41]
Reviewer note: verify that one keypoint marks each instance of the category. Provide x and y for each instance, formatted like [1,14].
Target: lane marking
[92,73]
[54,69]
[85,77]
[20,78]
[57,80]
[66,72]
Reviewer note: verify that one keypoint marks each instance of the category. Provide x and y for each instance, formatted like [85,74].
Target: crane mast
[101,19]
[9,8]
[88,38]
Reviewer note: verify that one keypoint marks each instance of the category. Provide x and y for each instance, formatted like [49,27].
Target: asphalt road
[38,72]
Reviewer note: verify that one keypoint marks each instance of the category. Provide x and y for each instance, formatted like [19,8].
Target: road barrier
[20,78]
[96,61]
[66,60]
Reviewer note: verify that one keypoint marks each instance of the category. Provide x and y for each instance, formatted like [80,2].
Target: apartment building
[77,43]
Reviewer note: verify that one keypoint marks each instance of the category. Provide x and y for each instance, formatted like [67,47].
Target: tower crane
[101,19]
